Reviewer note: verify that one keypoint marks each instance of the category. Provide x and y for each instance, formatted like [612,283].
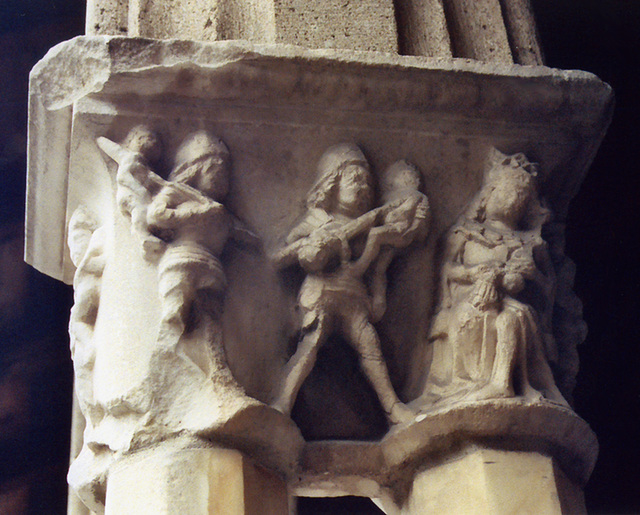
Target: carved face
[214,178]
[209,174]
[510,197]
[354,193]
[399,178]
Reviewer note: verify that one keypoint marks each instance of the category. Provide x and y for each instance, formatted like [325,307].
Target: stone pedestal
[494,482]
[500,456]
[172,479]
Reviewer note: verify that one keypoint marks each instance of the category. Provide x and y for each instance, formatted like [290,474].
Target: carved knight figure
[334,297]
[491,336]
[181,223]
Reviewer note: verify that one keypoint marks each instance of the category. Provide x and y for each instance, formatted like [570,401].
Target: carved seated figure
[488,339]
[334,297]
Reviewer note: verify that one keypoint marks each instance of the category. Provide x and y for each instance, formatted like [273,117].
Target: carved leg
[539,373]
[300,365]
[509,339]
[176,293]
[364,338]
[379,284]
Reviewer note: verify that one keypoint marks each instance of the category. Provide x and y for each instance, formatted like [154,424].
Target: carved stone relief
[492,334]
[335,297]
[490,337]
[178,228]
[346,308]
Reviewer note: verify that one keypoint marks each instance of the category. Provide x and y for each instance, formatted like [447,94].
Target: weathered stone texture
[422,28]
[486,30]
[361,25]
[107,17]
[356,25]
[521,28]
[478,30]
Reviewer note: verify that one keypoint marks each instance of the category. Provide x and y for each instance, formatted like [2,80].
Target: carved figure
[136,182]
[489,340]
[86,243]
[188,215]
[182,384]
[181,220]
[333,297]
[405,219]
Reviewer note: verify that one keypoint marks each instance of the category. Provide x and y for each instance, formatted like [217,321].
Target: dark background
[601,36]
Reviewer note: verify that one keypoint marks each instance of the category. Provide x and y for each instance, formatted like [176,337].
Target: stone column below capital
[482,480]
[170,479]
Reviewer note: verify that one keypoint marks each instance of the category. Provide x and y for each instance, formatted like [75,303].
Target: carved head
[204,163]
[400,177]
[344,183]
[143,140]
[509,189]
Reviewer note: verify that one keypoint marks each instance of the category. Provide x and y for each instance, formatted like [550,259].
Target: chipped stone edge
[441,435]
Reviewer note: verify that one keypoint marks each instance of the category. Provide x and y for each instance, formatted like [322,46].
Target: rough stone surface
[521,27]
[487,30]
[362,25]
[107,17]
[478,30]
[422,28]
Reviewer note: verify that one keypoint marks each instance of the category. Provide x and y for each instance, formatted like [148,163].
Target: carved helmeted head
[509,193]
[344,183]
[204,163]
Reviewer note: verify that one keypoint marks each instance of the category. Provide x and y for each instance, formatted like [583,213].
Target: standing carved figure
[333,297]
[189,215]
[489,340]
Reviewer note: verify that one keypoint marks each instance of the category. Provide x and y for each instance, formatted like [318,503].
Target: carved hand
[319,247]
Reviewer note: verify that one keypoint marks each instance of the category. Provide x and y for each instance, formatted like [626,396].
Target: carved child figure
[488,342]
[136,182]
[405,219]
[333,297]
